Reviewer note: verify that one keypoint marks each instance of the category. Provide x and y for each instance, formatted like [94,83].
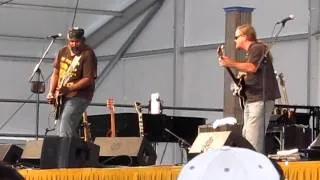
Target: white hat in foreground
[229,163]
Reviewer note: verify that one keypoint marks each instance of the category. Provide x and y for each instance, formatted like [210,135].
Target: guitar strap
[75,62]
[72,66]
[263,58]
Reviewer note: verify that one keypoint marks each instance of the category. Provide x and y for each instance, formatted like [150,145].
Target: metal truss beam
[117,23]
[62,9]
[163,51]
[147,18]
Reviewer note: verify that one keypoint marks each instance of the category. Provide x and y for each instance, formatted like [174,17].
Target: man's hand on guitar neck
[225,61]
[246,66]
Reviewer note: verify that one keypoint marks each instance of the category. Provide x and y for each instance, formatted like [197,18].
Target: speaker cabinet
[301,140]
[209,128]
[68,152]
[215,140]
[31,153]
[10,153]
[292,136]
[130,151]
[32,149]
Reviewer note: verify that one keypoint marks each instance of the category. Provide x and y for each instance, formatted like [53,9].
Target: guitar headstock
[281,79]
[110,104]
[138,107]
[220,51]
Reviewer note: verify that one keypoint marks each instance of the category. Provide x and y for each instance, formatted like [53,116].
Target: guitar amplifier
[237,128]
[205,128]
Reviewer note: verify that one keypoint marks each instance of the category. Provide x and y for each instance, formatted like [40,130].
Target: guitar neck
[86,128]
[141,130]
[220,52]
[63,81]
[113,124]
[140,117]
[68,74]
[232,75]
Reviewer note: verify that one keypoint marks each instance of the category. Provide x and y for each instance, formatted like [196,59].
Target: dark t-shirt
[254,83]
[87,67]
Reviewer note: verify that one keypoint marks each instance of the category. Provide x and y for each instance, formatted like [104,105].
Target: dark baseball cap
[76,33]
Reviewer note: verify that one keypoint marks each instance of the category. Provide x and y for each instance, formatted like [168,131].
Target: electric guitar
[59,97]
[284,97]
[64,81]
[112,131]
[283,88]
[238,87]
[138,108]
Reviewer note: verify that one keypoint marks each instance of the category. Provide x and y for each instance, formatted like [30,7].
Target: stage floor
[300,170]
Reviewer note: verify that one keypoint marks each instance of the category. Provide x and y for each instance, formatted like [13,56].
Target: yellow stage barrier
[302,170]
[119,173]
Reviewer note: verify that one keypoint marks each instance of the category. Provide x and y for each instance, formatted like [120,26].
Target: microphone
[54,36]
[283,21]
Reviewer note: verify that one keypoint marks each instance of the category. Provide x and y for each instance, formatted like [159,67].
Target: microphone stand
[182,143]
[262,62]
[50,129]
[37,72]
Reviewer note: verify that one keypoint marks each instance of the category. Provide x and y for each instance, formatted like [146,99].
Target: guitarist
[254,127]
[72,82]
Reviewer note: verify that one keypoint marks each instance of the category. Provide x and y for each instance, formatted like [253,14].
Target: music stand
[183,144]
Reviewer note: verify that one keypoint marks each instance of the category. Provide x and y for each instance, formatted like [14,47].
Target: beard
[76,50]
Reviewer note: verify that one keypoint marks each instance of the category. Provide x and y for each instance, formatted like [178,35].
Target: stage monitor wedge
[10,153]
[68,152]
[31,153]
[215,140]
[129,151]
[32,149]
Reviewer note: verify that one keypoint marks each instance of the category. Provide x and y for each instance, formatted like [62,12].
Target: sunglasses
[236,37]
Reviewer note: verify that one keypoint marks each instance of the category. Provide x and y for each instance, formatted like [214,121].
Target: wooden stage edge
[299,170]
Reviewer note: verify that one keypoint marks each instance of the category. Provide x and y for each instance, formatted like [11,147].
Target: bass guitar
[238,87]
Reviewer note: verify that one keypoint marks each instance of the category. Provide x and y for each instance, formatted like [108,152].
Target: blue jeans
[254,127]
[71,116]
